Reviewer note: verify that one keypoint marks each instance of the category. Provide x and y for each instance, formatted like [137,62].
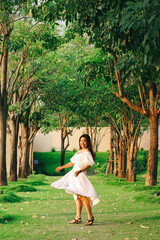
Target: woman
[76,181]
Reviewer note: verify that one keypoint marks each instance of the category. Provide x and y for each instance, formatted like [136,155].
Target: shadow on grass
[22,188]
[7,219]
[154,218]
[36,183]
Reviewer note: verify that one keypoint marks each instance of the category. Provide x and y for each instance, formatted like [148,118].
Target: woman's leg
[87,205]
[79,205]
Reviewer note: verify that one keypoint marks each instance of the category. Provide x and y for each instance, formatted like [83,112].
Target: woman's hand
[77,173]
[58,169]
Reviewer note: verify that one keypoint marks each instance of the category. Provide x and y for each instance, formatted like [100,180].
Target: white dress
[78,185]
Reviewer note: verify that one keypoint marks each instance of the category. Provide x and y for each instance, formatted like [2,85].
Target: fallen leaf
[130,222]
[35,216]
[143,226]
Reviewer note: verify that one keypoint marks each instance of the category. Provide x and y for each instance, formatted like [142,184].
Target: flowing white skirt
[77,185]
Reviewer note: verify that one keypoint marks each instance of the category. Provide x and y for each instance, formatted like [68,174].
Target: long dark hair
[89,144]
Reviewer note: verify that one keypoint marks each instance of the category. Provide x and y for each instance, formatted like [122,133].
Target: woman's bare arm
[70,164]
[82,170]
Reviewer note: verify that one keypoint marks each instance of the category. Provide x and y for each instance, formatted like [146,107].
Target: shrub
[53,149]
[9,197]
[74,150]
[100,167]
[101,161]
[141,162]
[23,188]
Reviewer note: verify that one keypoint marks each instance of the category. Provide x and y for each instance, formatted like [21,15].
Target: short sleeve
[88,159]
[73,158]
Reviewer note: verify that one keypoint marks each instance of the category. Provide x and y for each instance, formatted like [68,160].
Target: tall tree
[12,11]
[112,25]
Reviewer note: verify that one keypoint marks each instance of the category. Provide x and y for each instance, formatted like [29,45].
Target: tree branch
[141,98]
[30,74]
[113,123]
[32,135]
[131,104]
[145,94]
[118,74]
[151,96]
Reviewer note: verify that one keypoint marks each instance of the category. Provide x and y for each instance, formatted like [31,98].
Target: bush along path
[31,209]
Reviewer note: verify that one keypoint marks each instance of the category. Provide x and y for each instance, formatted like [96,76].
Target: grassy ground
[36,211]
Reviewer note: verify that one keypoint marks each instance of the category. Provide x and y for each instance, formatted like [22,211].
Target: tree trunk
[115,159]
[62,151]
[31,158]
[131,171]
[3,115]
[151,178]
[24,167]
[3,170]
[122,160]
[14,125]
[111,151]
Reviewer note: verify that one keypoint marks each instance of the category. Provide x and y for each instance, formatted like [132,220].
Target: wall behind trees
[53,140]
[44,143]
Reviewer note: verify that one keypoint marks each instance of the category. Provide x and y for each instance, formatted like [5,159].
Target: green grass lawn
[31,209]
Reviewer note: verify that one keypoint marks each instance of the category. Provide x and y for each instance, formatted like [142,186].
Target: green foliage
[74,150]
[10,197]
[141,161]
[101,162]
[53,149]
[49,161]
[141,21]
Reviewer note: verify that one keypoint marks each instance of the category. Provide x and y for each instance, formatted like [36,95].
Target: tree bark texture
[122,160]
[151,178]
[31,158]
[131,171]
[62,151]
[13,141]
[115,161]
[3,170]
[3,115]
[24,165]
[111,151]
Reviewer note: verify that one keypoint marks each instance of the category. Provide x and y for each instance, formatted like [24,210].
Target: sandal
[89,222]
[76,221]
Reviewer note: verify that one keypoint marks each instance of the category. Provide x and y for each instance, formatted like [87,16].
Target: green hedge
[49,161]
